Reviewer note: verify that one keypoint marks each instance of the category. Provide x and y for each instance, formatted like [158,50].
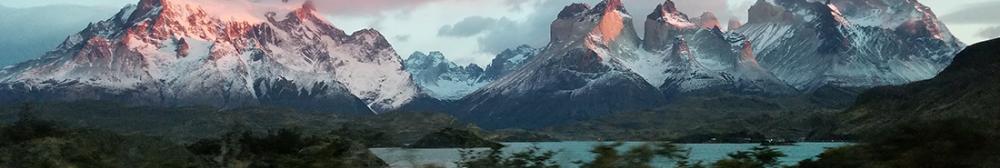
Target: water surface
[580,151]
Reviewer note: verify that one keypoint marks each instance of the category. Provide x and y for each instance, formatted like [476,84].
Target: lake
[576,151]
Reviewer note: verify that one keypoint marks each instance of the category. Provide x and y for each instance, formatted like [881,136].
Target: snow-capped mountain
[688,55]
[579,75]
[508,61]
[187,52]
[443,79]
[848,43]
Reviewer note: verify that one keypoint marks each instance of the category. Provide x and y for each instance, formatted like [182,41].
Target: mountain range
[445,80]
[185,52]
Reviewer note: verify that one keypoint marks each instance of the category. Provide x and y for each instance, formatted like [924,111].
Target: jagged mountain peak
[238,53]
[667,13]
[443,79]
[573,10]
[708,20]
[848,43]
[606,6]
[607,24]
[734,23]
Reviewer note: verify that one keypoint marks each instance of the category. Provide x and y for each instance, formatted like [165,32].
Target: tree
[636,157]
[757,157]
[534,157]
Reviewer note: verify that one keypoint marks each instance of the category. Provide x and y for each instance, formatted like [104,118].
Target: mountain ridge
[174,52]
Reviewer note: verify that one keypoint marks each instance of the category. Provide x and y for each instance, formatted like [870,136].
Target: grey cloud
[534,31]
[980,13]
[990,33]
[402,38]
[469,26]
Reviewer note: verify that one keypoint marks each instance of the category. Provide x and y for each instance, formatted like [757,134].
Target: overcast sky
[472,31]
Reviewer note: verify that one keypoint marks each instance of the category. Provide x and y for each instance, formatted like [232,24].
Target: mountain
[966,89]
[508,61]
[848,43]
[445,80]
[692,55]
[579,75]
[30,32]
[186,52]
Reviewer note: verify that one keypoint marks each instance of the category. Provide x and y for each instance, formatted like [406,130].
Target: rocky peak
[665,25]
[573,10]
[370,37]
[763,12]
[734,24]
[708,20]
[609,6]
[508,61]
[307,10]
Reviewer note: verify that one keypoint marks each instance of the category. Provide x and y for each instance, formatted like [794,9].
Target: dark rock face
[966,89]
[454,138]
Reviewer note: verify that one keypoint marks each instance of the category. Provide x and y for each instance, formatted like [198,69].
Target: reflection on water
[580,151]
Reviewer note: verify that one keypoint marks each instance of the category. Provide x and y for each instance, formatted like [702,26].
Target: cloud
[990,32]
[367,7]
[469,26]
[402,38]
[979,13]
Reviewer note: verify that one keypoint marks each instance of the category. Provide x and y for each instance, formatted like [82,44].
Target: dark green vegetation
[639,157]
[609,156]
[495,158]
[948,143]
[192,123]
[454,138]
[36,143]
[756,157]
[53,144]
[283,148]
[951,120]
[31,142]
[725,117]
[969,88]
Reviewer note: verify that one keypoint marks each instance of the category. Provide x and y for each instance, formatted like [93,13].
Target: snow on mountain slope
[579,75]
[185,52]
[509,61]
[681,58]
[443,79]
[849,43]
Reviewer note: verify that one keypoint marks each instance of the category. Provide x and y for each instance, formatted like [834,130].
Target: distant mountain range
[445,80]
[185,52]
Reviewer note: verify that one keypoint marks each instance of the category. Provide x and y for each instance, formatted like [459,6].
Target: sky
[473,31]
